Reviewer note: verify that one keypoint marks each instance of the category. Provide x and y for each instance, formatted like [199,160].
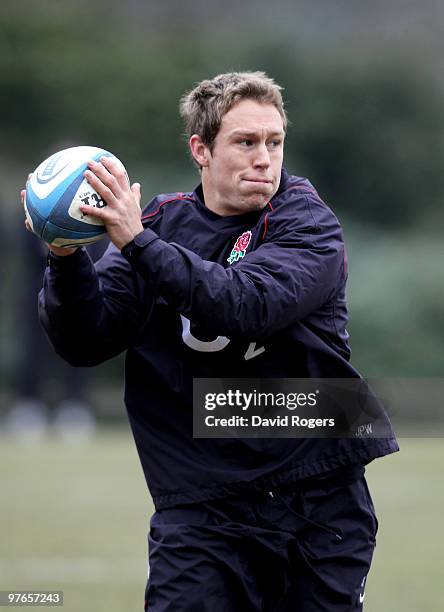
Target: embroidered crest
[240,247]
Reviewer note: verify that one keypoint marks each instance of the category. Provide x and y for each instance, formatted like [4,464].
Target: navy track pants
[304,548]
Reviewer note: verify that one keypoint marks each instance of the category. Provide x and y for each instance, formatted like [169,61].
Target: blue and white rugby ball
[54,193]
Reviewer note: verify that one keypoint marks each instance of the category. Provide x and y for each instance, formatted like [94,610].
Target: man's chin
[261,191]
[256,201]
[257,191]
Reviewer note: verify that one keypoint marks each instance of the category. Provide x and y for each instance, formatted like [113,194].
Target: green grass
[75,518]
[408,493]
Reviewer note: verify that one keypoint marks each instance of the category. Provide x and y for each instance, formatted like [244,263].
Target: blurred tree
[365,131]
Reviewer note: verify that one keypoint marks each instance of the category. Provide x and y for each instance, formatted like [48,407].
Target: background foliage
[362,94]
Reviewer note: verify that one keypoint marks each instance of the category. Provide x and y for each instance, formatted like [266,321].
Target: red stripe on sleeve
[180,196]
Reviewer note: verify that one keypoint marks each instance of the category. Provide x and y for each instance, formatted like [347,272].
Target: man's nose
[262,156]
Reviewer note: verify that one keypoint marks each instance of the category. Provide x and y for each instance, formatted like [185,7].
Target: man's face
[242,172]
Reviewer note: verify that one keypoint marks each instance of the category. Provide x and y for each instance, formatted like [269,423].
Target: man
[244,277]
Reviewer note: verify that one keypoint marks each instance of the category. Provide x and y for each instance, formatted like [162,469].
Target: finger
[102,189]
[29,177]
[27,225]
[105,174]
[116,169]
[23,196]
[135,189]
[107,179]
[99,213]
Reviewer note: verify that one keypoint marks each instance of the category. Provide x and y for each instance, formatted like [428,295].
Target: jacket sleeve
[296,270]
[90,313]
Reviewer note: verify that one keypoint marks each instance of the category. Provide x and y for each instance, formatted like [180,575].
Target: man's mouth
[257,180]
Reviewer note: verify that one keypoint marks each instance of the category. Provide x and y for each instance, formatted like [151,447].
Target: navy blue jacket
[183,311]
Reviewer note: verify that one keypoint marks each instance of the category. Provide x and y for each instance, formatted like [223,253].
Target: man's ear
[199,150]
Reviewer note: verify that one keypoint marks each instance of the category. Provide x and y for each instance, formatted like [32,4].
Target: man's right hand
[59,251]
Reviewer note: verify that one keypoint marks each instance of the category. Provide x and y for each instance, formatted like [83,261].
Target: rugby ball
[54,194]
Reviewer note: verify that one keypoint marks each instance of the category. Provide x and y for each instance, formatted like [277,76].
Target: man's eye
[275,143]
[246,141]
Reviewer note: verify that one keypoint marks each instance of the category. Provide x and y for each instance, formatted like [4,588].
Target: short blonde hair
[203,107]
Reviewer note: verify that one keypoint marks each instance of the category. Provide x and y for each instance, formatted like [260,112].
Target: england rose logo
[240,247]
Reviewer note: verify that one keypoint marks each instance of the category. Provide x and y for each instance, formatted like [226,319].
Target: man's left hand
[121,215]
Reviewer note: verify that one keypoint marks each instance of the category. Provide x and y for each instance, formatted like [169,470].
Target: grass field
[74,517]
